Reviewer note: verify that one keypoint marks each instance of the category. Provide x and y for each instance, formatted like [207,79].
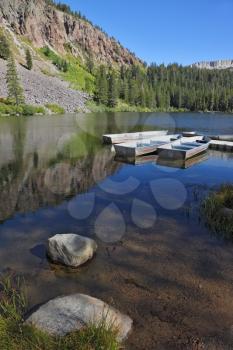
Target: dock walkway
[226,146]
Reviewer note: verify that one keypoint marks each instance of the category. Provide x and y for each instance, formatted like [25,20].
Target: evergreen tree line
[166,87]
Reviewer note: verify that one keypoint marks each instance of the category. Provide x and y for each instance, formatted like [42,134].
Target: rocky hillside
[40,89]
[43,24]
[221,64]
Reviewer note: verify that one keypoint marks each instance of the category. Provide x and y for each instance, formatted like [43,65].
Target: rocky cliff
[221,64]
[43,24]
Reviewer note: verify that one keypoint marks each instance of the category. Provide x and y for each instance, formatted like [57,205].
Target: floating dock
[120,138]
[142,147]
[183,149]
[225,146]
[222,138]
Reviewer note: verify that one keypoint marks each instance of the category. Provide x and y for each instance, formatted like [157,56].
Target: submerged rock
[63,315]
[227,212]
[71,249]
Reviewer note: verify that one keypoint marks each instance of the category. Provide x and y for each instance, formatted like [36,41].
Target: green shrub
[29,59]
[78,77]
[59,62]
[71,70]
[27,110]
[216,210]
[120,107]
[7,109]
[39,110]
[4,47]
[55,108]
[5,101]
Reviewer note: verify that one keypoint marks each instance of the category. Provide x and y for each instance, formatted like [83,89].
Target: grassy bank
[124,107]
[14,335]
[218,211]
[7,108]
[55,109]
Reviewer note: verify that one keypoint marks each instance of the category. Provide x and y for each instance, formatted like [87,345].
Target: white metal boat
[141,147]
[183,149]
[125,137]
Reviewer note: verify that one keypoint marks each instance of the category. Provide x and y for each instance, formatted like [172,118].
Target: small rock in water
[63,315]
[71,249]
[227,212]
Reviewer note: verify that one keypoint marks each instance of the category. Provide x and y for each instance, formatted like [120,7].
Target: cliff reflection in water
[42,164]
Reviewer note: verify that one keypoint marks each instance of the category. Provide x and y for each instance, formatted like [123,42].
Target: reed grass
[216,210]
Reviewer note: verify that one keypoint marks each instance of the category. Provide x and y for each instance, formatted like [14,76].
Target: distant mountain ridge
[220,64]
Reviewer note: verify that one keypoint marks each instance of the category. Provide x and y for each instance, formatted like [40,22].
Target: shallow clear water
[156,260]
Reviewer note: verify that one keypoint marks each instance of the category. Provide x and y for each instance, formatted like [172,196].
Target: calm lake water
[157,261]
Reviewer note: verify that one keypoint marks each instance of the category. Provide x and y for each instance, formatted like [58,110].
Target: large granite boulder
[71,249]
[63,315]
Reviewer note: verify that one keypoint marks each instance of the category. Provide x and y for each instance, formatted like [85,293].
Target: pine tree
[142,97]
[4,47]
[88,85]
[125,90]
[29,59]
[90,64]
[133,92]
[112,90]
[15,91]
[101,94]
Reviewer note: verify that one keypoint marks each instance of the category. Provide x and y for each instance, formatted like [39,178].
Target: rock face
[71,249]
[222,64]
[63,315]
[44,24]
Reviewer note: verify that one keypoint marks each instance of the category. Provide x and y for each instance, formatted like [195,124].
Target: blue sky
[165,31]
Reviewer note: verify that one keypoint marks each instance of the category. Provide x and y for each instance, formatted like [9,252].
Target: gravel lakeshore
[41,89]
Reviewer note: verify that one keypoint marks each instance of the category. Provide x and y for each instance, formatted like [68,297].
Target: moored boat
[182,149]
[125,137]
[141,147]
[189,133]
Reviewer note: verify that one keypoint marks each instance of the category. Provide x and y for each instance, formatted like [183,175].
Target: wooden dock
[222,137]
[224,146]
[167,146]
[132,136]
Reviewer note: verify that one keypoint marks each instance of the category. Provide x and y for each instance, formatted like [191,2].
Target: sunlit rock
[63,315]
[71,249]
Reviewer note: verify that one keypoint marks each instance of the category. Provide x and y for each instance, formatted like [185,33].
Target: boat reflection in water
[173,163]
[181,163]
